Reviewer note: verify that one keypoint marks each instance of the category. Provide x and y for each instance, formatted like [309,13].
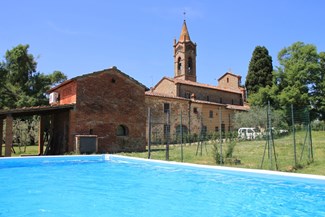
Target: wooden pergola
[42,111]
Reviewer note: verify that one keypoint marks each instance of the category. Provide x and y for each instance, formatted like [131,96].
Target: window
[189,65]
[166,107]
[208,98]
[232,101]
[179,64]
[211,114]
[216,129]
[220,99]
[122,130]
[227,80]
[195,110]
[187,95]
[181,129]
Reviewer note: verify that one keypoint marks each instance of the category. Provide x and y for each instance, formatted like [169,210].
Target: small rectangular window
[220,99]
[208,98]
[187,95]
[211,114]
[216,129]
[195,110]
[166,107]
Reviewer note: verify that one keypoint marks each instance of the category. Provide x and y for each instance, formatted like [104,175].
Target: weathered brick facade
[109,104]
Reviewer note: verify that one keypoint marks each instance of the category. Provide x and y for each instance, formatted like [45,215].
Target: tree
[317,91]
[257,117]
[20,83]
[259,70]
[295,75]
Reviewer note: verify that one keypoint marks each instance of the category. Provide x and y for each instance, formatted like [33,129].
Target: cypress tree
[259,70]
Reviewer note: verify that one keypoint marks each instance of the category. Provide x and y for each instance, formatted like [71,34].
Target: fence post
[220,134]
[167,135]
[149,133]
[294,136]
[181,136]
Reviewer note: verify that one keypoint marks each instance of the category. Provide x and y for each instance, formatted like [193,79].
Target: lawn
[250,154]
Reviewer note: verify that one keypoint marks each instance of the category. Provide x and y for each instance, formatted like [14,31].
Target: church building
[182,103]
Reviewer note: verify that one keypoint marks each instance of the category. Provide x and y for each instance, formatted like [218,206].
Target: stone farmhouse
[113,107]
[108,104]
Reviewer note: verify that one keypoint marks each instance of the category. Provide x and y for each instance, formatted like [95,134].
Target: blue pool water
[119,186]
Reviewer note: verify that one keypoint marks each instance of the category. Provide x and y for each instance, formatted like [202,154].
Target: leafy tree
[20,83]
[317,91]
[259,70]
[257,117]
[295,76]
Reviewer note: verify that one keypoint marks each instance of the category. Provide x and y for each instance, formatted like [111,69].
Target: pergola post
[41,135]
[9,135]
[1,136]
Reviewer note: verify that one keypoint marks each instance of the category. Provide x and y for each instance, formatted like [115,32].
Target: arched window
[189,65]
[179,64]
[181,129]
[122,130]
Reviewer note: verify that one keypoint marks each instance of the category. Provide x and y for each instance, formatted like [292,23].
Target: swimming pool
[99,185]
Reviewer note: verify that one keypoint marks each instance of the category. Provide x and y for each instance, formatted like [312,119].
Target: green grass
[249,153]
[30,150]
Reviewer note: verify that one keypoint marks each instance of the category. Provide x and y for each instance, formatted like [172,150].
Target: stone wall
[196,116]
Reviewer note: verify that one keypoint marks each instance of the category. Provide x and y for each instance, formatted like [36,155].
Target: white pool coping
[234,169]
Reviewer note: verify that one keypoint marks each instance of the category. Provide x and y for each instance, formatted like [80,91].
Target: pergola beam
[41,135]
[1,136]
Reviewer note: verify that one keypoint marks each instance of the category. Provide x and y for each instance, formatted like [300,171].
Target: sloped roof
[150,93]
[238,107]
[229,73]
[228,106]
[35,110]
[114,68]
[196,84]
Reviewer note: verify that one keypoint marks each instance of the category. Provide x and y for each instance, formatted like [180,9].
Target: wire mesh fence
[284,144]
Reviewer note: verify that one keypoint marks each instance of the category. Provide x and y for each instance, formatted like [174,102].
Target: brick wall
[106,100]
[67,93]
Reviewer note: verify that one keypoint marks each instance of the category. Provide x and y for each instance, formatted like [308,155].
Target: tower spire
[185,36]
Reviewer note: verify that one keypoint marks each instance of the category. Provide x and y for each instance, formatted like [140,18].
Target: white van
[248,133]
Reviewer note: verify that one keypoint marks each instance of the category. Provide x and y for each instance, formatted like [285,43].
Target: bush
[228,153]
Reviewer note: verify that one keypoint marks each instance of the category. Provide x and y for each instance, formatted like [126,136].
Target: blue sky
[79,37]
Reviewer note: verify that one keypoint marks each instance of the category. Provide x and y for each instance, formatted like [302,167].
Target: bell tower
[185,56]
